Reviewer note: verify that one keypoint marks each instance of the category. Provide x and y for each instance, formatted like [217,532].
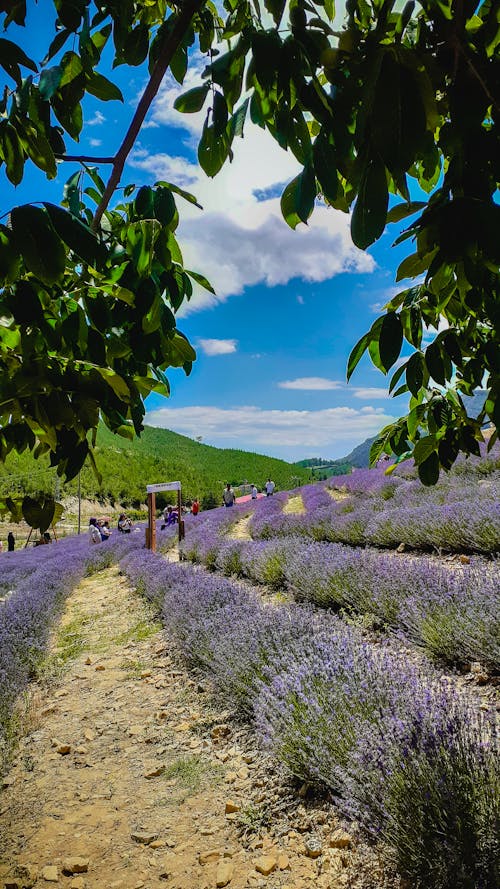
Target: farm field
[365,678]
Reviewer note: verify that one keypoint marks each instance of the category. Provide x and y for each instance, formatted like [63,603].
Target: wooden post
[151,529]
[180,523]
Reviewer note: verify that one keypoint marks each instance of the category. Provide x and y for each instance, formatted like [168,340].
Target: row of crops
[462,514]
[407,755]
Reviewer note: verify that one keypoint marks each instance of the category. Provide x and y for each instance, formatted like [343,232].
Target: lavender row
[39,580]
[471,525]
[451,611]
[405,756]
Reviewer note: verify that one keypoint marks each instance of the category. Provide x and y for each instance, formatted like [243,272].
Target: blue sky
[273,345]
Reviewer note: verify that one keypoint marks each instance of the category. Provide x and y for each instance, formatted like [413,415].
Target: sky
[273,345]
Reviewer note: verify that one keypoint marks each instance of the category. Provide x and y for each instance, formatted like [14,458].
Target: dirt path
[240,530]
[335,494]
[129,779]
[294,506]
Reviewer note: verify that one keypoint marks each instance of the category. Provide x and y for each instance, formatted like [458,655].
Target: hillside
[158,455]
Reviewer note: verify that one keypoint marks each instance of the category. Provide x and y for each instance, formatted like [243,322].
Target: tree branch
[167,53]
[84,158]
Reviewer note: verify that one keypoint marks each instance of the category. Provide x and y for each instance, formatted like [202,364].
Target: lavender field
[405,752]
[406,756]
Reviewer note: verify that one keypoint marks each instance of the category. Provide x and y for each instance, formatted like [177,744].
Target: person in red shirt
[195,506]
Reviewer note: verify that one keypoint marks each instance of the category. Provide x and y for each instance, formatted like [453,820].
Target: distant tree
[395,103]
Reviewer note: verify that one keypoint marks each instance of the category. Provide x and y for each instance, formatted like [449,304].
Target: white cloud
[369,392]
[239,240]
[300,300]
[95,142]
[310,384]
[281,431]
[218,347]
[96,120]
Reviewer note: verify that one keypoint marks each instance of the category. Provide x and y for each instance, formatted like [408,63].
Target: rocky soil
[129,777]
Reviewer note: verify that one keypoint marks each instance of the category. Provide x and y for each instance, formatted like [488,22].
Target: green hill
[158,455]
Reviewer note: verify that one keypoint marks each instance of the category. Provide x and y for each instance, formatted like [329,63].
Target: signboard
[152,491]
[164,486]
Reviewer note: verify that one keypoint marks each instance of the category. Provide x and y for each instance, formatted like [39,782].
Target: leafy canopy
[393,116]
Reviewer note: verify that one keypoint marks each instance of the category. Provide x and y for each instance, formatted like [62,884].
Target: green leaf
[39,149]
[164,205]
[357,353]
[144,202]
[325,167]
[415,373]
[397,376]
[201,280]
[193,100]
[428,470]
[424,448]
[237,120]
[435,364]
[13,153]
[370,211]
[115,382]
[219,114]
[81,240]
[71,193]
[40,514]
[276,8]
[213,150]
[401,211]
[181,350]
[50,79]
[39,243]
[297,200]
[57,44]
[71,65]
[398,118]
[102,88]
[390,340]
[13,54]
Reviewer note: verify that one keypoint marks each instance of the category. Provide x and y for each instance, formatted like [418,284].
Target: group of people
[171,514]
[99,530]
[229,497]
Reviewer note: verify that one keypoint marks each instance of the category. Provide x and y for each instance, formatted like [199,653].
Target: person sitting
[124,524]
[170,517]
[94,533]
[44,539]
[104,529]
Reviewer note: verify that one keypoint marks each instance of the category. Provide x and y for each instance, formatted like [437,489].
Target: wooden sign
[152,491]
[163,486]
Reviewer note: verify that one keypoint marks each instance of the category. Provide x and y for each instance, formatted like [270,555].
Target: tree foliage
[392,117]
[159,455]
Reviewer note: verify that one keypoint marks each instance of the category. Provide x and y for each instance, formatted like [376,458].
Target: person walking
[11,542]
[228,497]
[269,486]
[195,506]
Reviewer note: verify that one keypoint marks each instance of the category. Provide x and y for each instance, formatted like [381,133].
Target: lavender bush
[357,719]
[39,579]
[452,612]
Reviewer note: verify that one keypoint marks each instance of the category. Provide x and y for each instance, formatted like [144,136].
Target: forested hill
[158,455]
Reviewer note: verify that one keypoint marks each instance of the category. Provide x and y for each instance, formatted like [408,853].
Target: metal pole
[79,503]
[151,529]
